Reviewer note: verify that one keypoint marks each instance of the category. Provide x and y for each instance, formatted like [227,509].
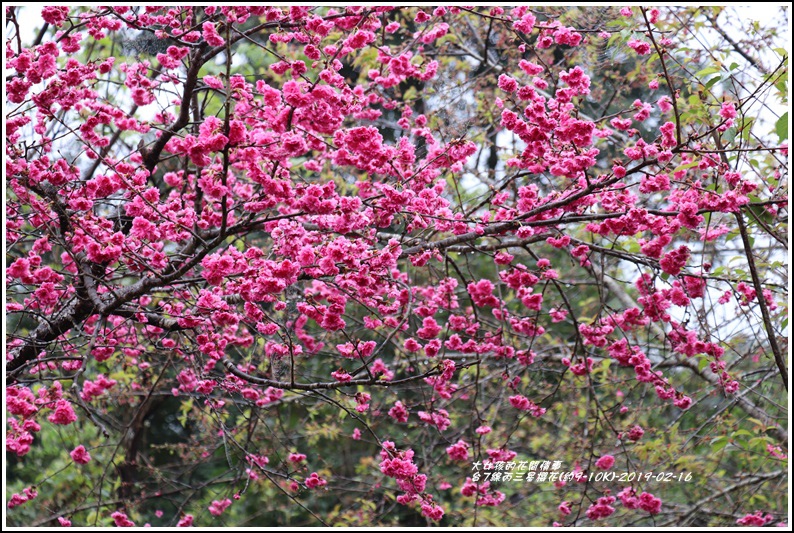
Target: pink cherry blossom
[80,455]
[605,462]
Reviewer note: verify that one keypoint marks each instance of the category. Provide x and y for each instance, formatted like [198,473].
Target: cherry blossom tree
[395,265]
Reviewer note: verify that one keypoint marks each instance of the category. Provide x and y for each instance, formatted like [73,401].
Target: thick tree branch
[759,291]
[191,79]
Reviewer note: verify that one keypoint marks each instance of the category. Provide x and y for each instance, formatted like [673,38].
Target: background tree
[359,266]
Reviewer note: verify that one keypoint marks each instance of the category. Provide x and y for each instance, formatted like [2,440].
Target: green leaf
[684,167]
[706,71]
[763,441]
[782,86]
[672,433]
[719,443]
[781,127]
[757,497]
[747,127]
[632,247]
[184,410]
[712,81]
